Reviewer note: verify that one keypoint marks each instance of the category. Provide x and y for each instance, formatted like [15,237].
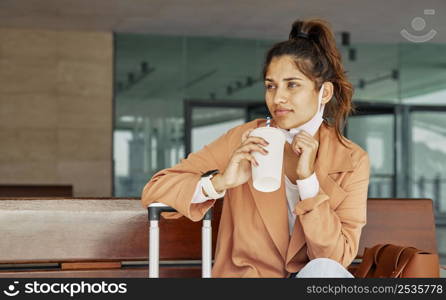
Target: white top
[303,189]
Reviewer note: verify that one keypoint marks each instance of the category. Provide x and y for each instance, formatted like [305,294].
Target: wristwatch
[207,185]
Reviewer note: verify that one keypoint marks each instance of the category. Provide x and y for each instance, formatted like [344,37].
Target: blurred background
[96,96]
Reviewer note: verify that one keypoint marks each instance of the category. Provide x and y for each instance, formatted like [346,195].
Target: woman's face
[290,95]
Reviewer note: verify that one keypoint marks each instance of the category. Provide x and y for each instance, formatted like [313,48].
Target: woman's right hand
[238,170]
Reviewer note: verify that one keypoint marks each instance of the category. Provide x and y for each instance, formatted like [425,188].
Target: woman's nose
[280,97]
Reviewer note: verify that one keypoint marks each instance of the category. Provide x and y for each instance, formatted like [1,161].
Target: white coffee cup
[267,177]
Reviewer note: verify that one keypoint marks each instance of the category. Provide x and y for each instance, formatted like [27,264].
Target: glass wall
[428,156]
[153,77]
[400,92]
[379,143]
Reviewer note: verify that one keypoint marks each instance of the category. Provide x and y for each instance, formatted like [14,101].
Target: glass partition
[155,75]
[428,157]
[379,143]
[209,123]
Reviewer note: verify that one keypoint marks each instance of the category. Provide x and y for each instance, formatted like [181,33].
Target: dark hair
[312,45]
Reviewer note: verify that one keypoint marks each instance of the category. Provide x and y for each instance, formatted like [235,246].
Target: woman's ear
[327,93]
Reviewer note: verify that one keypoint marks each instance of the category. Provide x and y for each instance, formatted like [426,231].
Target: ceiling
[367,21]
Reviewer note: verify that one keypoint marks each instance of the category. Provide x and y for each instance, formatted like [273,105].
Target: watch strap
[208,187]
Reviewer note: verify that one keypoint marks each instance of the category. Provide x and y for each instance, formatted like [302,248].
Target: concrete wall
[56,109]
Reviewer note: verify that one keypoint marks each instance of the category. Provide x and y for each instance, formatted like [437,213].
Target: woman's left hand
[305,146]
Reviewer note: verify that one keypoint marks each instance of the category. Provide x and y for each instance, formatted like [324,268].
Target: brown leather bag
[392,261]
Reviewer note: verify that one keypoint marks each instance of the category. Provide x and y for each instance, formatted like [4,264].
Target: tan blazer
[253,238]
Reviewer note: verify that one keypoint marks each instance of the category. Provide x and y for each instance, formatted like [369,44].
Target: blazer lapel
[273,210]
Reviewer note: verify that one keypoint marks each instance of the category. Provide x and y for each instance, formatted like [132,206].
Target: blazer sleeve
[175,186]
[335,233]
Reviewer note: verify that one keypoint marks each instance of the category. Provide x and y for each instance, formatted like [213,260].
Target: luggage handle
[156,209]
[154,212]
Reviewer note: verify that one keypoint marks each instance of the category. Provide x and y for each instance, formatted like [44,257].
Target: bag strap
[409,252]
[368,260]
[387,260]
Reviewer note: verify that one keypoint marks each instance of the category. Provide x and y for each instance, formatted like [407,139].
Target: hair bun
[297,31]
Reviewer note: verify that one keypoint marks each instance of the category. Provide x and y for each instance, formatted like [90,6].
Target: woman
[312,224]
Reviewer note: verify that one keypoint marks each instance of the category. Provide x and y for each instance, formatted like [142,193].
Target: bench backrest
[409,222]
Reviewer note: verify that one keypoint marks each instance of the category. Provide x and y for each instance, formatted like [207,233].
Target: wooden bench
[108,237]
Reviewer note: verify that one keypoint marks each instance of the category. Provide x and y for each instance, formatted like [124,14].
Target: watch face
[209,173]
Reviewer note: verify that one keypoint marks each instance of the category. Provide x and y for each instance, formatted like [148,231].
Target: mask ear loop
[320,104]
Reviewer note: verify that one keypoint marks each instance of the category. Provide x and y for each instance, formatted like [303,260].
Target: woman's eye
[292,84]
[269,86]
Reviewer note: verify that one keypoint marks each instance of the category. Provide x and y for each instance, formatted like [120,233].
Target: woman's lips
[282,112]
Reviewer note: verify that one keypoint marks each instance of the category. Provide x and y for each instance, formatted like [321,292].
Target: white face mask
[312,125]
